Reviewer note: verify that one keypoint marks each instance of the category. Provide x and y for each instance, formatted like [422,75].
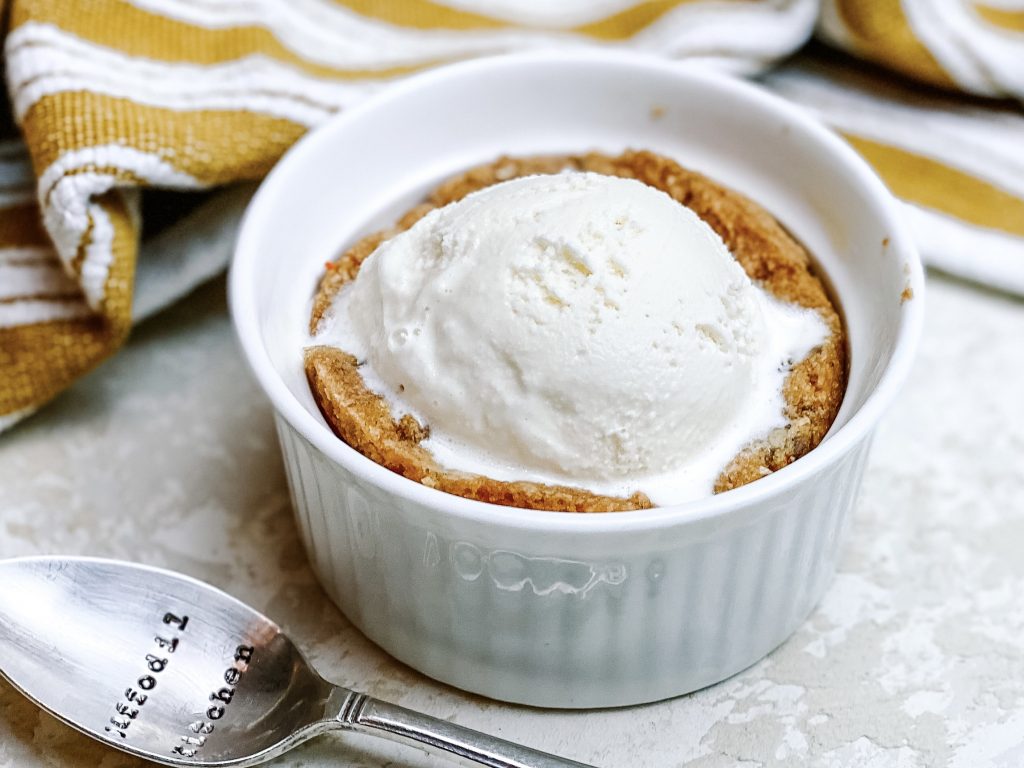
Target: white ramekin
[558,609]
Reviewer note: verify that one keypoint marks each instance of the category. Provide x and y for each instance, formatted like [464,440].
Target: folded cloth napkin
[957,163]
[116,96]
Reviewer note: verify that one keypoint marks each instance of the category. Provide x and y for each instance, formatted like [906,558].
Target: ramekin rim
[860,424]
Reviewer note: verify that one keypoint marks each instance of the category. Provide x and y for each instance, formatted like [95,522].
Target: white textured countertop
[167,455]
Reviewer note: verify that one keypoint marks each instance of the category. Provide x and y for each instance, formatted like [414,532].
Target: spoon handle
[359,712]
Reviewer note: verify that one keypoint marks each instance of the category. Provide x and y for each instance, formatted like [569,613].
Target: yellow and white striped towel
[961,45]
[115,96]
[957,163]
[958,166]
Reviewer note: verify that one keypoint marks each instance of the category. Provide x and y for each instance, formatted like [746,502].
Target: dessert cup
[559,609]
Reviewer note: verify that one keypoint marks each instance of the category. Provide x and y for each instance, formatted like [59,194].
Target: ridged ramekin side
[569,620]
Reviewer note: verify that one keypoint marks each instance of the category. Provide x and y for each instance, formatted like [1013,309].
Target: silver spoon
[172,670]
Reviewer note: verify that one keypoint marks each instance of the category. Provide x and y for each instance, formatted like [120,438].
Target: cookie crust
[813,391]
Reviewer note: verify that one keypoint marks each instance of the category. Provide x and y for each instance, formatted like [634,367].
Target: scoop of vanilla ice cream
[577,328]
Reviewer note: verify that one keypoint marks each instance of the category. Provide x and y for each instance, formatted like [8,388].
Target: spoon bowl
[172,670]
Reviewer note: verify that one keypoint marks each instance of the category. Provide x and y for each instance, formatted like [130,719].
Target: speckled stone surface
[167,455]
